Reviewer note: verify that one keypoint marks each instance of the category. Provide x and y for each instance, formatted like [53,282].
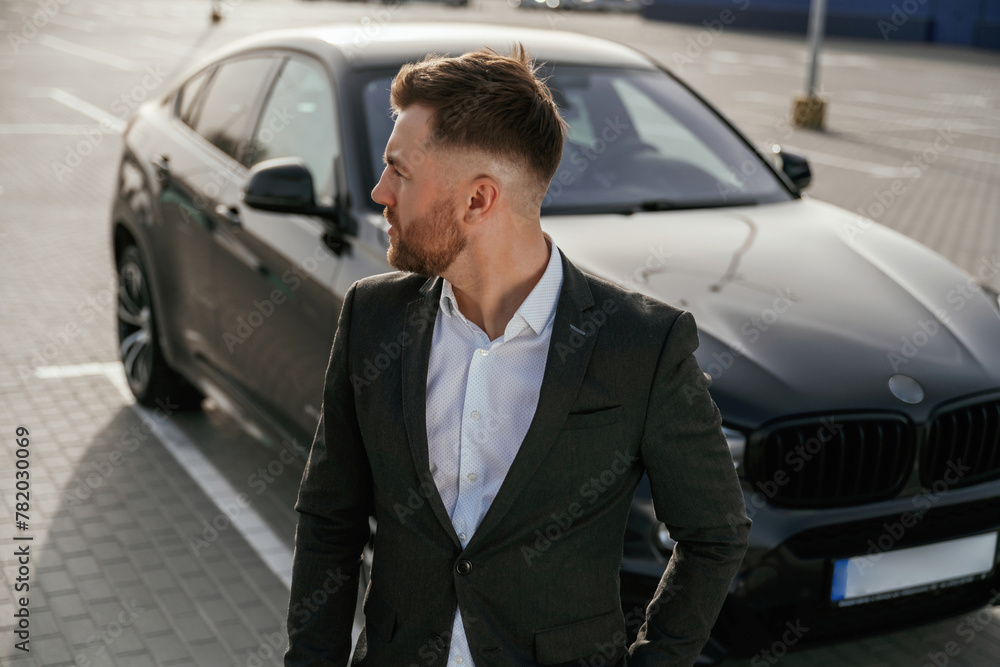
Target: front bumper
[786,576]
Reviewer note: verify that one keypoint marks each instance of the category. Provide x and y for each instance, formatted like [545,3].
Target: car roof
[378,45]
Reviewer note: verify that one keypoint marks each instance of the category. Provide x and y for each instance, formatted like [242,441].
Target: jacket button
[463,567]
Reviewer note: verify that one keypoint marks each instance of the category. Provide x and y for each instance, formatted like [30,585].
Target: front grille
[831,462]
[963,447]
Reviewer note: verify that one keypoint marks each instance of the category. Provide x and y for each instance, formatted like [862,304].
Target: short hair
[489,101]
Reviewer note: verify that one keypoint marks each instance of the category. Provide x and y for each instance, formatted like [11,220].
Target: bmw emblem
[906,388]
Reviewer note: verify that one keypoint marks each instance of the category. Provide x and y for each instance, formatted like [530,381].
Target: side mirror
[796,167]
[284,185]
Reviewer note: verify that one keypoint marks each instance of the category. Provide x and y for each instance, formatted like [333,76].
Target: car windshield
[638,140]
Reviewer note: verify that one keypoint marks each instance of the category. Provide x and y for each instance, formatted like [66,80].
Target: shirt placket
[465,518]
[473,439]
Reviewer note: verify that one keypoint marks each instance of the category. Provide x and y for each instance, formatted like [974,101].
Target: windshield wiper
[673,205]
[645,206]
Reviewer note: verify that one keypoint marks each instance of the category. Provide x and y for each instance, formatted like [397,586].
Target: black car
[857,372]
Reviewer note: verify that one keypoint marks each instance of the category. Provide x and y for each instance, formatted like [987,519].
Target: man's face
[425,235]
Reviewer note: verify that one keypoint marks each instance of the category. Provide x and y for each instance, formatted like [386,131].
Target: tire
[152,381]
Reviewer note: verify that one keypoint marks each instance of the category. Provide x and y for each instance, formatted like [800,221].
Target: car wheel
[152,381]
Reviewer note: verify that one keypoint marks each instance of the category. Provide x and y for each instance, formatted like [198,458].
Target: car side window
[190,95]
[299,120]
[227,111]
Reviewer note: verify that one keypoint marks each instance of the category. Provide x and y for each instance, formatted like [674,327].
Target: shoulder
[389,289]
[633,309]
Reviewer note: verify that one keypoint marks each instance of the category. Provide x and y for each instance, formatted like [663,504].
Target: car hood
[801,306]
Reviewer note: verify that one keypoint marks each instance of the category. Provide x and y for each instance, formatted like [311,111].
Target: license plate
[891,574]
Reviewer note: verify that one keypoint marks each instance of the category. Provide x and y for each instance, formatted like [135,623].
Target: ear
[484,196]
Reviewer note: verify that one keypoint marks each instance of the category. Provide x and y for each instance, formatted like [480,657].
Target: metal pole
[817,25]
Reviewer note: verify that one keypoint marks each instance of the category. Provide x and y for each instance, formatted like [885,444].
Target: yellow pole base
[809,112]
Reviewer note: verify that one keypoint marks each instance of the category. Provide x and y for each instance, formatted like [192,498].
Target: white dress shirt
[481,397]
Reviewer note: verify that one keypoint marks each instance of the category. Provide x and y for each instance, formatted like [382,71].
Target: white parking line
[963,104]
[870,168]
[87,109]
[75,23]
[985,157]
[47,128]
[86,52]
[247,521]
[974,125]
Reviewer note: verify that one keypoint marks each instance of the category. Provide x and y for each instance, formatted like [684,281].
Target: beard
[430,244]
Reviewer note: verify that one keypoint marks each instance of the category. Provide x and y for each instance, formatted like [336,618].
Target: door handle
[161,165]
[228,213]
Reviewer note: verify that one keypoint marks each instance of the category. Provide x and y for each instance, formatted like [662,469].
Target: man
[517,404]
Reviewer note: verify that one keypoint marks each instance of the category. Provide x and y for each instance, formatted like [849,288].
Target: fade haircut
[489,101]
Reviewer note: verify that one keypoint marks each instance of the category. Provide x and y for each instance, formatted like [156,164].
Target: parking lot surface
[159,537]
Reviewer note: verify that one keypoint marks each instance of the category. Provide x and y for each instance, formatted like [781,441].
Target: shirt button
[475,415]
[472,477]
[463,567]
[458,659]
[484,352]
[461,536]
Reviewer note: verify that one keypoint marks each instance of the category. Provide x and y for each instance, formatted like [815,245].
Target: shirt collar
[537,309]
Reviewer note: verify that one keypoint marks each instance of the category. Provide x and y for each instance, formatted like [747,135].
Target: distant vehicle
[857,372]
[584,5]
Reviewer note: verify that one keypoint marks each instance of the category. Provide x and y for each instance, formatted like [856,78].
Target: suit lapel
[565,365]
[420,316]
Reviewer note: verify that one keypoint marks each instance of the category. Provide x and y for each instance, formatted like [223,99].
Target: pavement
[159,537]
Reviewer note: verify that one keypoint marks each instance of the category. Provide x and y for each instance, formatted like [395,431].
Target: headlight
[737,445]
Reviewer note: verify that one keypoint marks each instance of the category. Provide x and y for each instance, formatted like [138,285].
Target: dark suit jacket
[538,582]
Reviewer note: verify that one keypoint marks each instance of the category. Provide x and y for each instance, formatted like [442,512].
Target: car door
[280,314]
[198,171]
[187,232]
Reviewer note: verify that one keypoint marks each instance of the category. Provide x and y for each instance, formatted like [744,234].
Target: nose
[381,193]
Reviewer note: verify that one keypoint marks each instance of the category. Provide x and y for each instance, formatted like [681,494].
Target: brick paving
[115,579]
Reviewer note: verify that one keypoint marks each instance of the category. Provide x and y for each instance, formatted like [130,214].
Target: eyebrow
[390,160]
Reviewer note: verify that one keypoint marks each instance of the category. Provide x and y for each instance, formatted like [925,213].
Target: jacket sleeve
[696,494]
[334,503]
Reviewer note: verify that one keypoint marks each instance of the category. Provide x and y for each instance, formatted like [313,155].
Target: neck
[494,277]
